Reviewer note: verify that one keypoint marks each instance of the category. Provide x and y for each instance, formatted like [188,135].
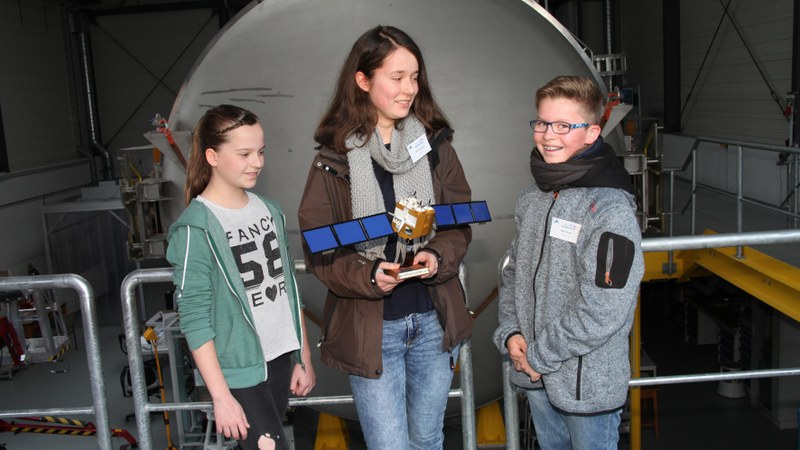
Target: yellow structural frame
[764,277]
[772,281]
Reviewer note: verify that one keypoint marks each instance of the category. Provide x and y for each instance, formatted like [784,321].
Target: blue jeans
[404,408]
[556,430]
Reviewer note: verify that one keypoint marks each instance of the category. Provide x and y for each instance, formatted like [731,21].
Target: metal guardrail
[793,211]
[93,359]
[652,245]
[142,406]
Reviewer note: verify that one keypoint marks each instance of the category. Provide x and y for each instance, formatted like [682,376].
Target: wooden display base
[408,272]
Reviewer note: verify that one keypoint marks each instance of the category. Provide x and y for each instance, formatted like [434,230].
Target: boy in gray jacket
[569,290]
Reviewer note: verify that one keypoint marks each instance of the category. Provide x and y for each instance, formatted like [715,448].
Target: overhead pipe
[794,132]
[608,25]
[87,71]
[70,26]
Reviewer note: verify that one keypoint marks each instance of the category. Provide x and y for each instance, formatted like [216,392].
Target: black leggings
[265,404]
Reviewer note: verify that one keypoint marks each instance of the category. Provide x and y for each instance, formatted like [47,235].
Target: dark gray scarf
[597,166]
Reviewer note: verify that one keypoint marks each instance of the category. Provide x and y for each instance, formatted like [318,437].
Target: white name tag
[565,230]
[419,148]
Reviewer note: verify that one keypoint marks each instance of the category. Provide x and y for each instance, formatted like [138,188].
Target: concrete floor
[692,416]
[37,387]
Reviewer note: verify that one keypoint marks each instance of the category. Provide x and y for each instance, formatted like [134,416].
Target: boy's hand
[517,351]
[535,376]
[517,347]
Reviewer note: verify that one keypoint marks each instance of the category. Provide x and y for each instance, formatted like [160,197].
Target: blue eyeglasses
[540,126]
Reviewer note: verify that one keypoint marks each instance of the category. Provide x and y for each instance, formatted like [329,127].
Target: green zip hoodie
[211,295]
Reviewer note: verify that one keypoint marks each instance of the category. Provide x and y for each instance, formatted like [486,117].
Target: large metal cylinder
[485,59]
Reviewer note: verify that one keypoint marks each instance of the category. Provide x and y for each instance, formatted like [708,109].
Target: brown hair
[582,91]
[351,110]
[211,132]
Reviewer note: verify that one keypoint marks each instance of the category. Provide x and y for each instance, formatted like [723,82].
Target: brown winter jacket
[353,316]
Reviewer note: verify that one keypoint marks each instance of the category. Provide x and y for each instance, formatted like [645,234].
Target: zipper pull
[321,340]
[609,261]
[452,364]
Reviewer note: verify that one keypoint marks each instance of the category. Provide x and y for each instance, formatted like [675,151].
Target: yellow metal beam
[655,266]
[764,277]
[636,364]
[331,433]
[490,429]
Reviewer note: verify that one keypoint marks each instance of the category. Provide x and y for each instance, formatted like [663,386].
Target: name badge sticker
[565,230]
[419,148]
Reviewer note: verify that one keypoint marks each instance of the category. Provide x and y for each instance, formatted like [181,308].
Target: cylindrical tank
[485,59]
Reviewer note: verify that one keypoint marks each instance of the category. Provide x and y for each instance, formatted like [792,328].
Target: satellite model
[410,220]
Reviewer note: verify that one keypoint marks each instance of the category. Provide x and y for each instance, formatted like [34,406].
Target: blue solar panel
[320,239]
[377,226]
[463,213]
[444,215]
[349,232]
[480,210]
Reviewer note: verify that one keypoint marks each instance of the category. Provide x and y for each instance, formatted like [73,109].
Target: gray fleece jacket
[570,289]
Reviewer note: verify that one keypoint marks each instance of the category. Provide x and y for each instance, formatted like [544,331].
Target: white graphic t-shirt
[252,236]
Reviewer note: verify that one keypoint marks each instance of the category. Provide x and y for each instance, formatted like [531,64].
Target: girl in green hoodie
[237,297]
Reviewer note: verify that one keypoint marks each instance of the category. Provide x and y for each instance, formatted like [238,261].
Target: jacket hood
[195,214]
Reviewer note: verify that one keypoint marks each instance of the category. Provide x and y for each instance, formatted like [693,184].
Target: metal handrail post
[739,196]
[694,187]
[795,186]
[130,317]
[510,406]
[467,395]
[466,385]
[645,193]
[671,255]
[44,322]
[92,341]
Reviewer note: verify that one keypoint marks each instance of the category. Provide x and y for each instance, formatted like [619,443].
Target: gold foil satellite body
[411,219]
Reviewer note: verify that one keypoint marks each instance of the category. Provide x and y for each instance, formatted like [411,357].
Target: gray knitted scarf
[410,179]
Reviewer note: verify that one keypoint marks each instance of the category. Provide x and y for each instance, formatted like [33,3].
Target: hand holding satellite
[411,220]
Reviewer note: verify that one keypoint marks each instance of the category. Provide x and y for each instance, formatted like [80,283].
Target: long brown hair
[211,132]
[352,111]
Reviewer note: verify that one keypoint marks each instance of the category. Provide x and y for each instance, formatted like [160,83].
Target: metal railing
[142,406]
[93,359]
[653,245]
[691,159]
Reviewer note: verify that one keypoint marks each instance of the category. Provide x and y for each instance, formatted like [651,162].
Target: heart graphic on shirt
[271,292]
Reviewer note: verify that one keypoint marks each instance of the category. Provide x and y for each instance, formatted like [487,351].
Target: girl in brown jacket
[398,340]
